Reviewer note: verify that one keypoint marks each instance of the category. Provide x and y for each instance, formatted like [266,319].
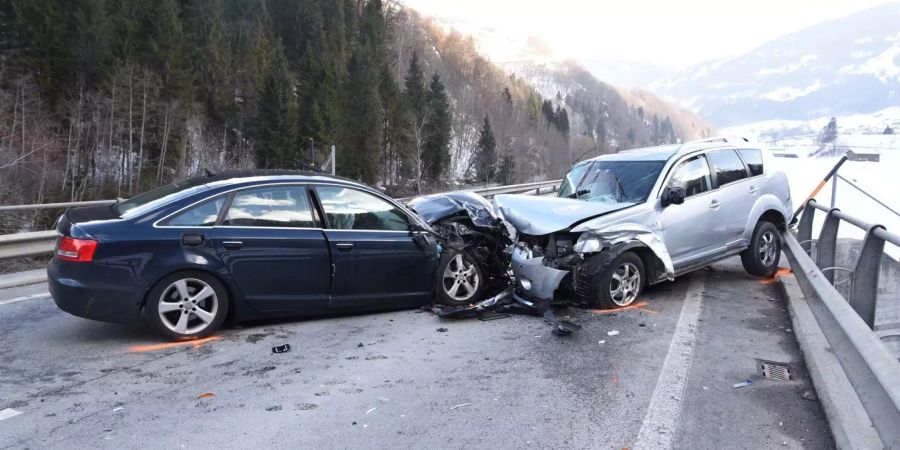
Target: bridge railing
[38,243]
[847,324]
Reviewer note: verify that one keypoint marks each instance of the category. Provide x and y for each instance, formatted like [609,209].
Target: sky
[676,33]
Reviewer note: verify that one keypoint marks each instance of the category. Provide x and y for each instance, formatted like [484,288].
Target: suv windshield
[611,181]
[159,196]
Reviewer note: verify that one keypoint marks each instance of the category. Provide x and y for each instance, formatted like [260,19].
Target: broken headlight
[588,243]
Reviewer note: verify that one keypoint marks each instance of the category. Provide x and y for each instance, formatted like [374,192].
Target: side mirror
[672,196]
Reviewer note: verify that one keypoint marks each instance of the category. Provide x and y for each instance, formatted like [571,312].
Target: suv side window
[727,166]
[754,159]
[274,206]
[691,175]
[203,215]
[350,209]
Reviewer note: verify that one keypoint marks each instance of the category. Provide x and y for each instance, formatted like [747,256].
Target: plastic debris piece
[206,395]
[119,408]
[360,345]
[612,333]
[281,348]
[746,382]
[601,342]
[442,330]
[460,405]
[371,410]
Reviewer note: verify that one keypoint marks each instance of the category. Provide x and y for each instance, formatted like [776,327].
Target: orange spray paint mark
[638,305]
[782,272]
[153,347]
[206,395]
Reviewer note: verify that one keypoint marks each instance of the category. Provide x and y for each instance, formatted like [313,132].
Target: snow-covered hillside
[846,66]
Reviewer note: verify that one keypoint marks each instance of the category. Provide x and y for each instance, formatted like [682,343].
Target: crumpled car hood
[435,207]
[537,216]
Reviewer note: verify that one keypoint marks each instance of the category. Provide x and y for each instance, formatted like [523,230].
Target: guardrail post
[827,246]
[804,229]
[864,291]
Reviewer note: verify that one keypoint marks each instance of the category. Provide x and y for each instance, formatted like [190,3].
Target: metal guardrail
[847,323]
[42,242]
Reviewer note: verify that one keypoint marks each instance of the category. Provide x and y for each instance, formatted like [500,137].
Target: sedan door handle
[232,245]
[715,204]
[344,246]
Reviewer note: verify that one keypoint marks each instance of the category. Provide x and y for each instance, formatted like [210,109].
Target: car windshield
[164,194]
[611,181]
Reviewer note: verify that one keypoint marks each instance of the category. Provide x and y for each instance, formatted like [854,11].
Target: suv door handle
[192,240]
[232,245]
[754,190]
[344,246]
[715,204]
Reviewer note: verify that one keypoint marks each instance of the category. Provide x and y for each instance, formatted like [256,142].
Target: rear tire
[617,284]
[187,305]
[460,280]
[762,257]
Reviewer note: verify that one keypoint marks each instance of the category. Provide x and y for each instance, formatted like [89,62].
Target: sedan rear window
[160,196]
[278,206]
[204,215]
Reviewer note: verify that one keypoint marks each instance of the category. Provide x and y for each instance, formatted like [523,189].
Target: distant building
[863,155]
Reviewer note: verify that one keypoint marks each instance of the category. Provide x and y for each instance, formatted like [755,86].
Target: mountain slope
[846,66]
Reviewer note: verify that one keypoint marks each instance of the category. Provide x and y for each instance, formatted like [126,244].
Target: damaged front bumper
[532,277]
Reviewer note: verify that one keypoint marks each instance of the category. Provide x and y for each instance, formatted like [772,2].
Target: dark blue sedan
[242,245]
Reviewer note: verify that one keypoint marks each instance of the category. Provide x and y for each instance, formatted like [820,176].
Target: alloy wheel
[625,284]
[767,248]
[188,306]
[460,279]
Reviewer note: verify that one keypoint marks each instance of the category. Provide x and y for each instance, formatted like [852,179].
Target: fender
[632,235]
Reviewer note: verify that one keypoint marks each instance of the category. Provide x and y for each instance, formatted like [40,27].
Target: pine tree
[486,152]
[436,152]
[276,138]
[507,171]
[562,120]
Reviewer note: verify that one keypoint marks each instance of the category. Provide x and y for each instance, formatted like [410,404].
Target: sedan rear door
[273,246]
[379,261]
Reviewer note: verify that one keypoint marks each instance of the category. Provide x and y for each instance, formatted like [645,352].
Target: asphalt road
[392,380]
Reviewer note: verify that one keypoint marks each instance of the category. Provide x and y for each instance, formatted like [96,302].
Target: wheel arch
[653,266]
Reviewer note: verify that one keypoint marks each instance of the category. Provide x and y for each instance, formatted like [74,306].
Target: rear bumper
[91,291]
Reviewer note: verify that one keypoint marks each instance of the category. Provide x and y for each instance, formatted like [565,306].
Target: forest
[107,98]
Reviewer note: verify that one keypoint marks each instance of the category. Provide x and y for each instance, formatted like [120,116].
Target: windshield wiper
[576,192]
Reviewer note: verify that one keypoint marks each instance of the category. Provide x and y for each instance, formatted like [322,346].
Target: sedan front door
[275,249]
[379,262]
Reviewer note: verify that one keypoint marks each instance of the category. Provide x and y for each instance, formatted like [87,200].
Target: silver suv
[635,218]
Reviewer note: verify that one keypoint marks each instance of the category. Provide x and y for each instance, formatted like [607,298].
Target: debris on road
[746,382]
[612,333]
[118,408]
[281,348]
[9,413]
[360,345]
[371,410]
[460,405]
[809,395]
[206,395]
[601,342]
[442,330]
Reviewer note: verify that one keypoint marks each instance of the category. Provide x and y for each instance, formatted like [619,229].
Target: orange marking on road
[782,272]
[613,311]
[206,395]
[153,347]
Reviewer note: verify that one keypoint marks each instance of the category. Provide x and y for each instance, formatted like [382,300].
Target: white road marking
[23,298]
[661,420]
[9,412]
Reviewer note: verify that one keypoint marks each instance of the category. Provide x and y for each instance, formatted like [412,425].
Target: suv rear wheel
[761,258]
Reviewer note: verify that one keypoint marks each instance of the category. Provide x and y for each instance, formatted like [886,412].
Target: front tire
[187,305]
[762,257]
[460,280]
[616,284]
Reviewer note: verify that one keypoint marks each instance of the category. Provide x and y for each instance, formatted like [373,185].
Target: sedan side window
[350,209]
[692,176]
[275,206]
[204,215]
[727,166]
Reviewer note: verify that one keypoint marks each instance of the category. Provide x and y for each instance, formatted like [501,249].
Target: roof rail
[723,139]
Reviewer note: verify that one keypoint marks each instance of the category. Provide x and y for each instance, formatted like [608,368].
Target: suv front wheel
[761,258]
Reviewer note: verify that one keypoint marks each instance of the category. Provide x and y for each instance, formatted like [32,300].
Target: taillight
[79,250]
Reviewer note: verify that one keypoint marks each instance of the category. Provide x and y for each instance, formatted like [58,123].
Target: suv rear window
[727,166]
[754,159]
